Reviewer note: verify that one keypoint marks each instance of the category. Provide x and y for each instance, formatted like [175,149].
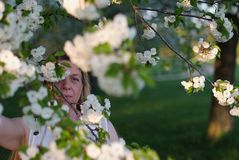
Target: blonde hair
[86,87]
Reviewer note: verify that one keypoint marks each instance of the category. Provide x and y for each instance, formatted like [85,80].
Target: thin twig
[74,109]
[215,2]
[170,13]
[169,45]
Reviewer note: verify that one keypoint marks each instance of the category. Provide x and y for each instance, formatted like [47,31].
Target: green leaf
[25,13]
[193,3]
[126,81]
[4,89]
[59,71]
[8,9]
[18,2]
[113,70]
[66,64]
[59,54]
[51,58]
[25,50]
[145,74]
[103,48]
[178,11]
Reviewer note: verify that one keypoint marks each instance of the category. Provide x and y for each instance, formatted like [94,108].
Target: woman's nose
[66,84]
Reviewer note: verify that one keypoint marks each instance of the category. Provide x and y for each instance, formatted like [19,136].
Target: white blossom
[49,74]
[11,62]
[32,151]
[185,4]
[195,84]
[38,53]
[234,111]
[220,14]
[84,10]
[204,51]
[113,151]
[42,93]
[149,56]
[169,20]
[102,3]
[107,103]
[149,33]
[54,153]
[187,85]
[36,109]
[225,93]
[65,108]
[20,27]
[32,96]
[57,132]
[92,110]
[93,151]
[81,51]
[46,113]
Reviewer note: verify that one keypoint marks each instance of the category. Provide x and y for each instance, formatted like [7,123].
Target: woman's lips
[68,97]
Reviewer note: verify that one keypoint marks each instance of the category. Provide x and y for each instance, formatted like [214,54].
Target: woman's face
[71,87]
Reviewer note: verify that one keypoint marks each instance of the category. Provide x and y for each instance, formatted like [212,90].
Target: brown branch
[169,45]
[170,13]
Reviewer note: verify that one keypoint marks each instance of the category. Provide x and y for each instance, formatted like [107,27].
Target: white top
[45,135]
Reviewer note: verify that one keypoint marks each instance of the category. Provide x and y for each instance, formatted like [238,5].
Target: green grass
[169,121]
[173,123]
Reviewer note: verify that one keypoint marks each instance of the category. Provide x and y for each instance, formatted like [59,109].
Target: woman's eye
[75,79]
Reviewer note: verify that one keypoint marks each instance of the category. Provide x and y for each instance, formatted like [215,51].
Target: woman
[15,132]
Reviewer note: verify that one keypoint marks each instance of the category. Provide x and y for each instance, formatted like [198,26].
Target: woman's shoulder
[26,130]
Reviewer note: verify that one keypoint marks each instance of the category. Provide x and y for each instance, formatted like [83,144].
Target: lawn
[171,122]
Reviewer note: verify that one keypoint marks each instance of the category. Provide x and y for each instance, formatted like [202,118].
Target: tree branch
[169,45]
[170,13]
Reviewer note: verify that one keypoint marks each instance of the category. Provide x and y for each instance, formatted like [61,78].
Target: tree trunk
[220,121]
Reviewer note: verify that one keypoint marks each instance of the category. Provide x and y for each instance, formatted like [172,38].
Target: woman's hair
[85,92]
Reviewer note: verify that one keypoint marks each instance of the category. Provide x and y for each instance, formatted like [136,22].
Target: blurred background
[177,125]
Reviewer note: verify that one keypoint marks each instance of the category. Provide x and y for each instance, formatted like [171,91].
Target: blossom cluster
[22,72]
[82,48]
[45,112]
[22,22]
[169,20]
[30,153]
[204,51]
[47,70]
[92,111]
[149,56]
[114,151]
[53,153]
[83,9]
[149,33]
[221,28]
[48,73]
[225,92]
[100,65]
[111,36]
[234,111]
[185,4]
[194,85]
[116,1]
[37,54]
